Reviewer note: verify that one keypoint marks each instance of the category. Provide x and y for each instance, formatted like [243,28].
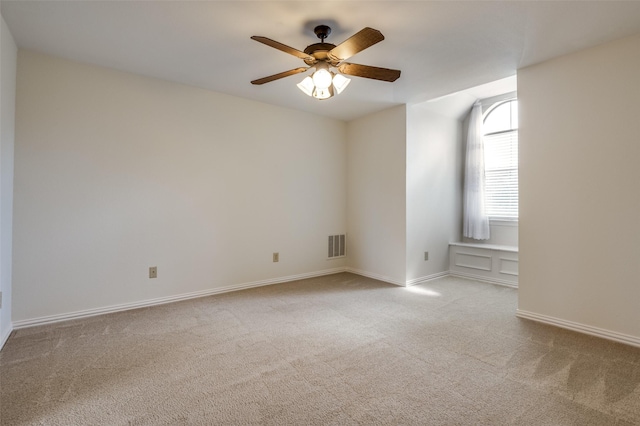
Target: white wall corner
[376,276]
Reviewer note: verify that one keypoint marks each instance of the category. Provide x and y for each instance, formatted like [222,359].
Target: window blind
[501,175]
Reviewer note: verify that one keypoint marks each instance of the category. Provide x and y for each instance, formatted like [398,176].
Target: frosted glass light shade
[340,82]
[307,86]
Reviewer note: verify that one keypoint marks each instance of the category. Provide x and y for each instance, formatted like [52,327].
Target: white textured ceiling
[441,47]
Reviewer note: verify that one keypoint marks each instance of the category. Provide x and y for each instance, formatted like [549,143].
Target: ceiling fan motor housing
[320,52]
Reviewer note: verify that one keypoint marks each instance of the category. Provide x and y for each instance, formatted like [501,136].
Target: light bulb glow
[322,79]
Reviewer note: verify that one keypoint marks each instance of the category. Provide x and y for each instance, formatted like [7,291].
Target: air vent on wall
[337,246]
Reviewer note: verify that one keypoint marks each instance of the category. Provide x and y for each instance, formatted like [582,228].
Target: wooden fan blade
[366,71]
[366,37]
[282,47]
[279,76]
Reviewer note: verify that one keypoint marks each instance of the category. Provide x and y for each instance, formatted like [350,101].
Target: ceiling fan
[324,56]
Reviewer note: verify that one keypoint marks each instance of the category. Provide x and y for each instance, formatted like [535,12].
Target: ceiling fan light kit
[324,83]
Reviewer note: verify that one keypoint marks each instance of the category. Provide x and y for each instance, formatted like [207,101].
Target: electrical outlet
[276,257]
[153,272]
[426,255]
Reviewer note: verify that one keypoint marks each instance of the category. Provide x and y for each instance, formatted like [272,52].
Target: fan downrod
[322,31]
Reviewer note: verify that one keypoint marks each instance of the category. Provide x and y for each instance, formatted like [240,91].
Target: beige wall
[376,195]
[580,189]
[115,173]
[434,190]
[8,62]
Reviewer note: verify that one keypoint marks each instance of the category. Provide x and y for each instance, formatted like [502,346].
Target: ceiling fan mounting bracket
[322,31]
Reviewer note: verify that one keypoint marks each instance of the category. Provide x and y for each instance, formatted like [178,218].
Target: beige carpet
[340,349]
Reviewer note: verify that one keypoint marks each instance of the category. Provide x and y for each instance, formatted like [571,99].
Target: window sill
[513,249]
[503,222]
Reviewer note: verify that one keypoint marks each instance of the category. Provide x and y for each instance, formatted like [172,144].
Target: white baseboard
[390,280]
[5,337]
[426,278]
[162,300]
[484,279]
[375,276]
[580,328]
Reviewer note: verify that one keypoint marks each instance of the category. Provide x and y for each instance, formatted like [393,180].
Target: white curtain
[476,221]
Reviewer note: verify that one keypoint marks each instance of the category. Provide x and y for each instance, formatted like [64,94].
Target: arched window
[501,160]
